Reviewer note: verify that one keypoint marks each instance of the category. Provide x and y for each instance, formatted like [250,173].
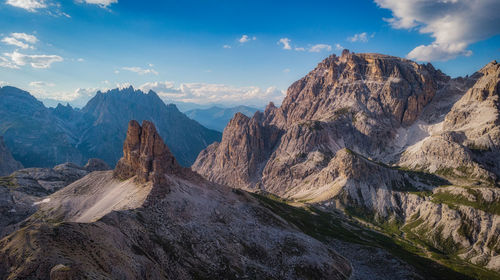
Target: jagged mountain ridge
[111,112]
[152,218]
[346,133]
[41,137]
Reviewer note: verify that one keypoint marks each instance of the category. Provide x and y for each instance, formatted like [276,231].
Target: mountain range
[373,167]
[395,143]
[217,118]
[43,137]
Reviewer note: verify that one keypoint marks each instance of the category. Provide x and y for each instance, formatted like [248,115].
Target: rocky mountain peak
[382,86]
[145,155]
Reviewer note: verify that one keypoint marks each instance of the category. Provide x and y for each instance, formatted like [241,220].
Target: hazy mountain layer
[7,163]
[41,137]
[217,117]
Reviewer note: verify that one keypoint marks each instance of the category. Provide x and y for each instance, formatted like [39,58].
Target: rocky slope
[217,117]
[22,191]
[151,218]
[7,163]
[43,137]
[378,136]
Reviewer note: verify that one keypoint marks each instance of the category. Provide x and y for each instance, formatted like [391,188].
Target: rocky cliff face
[145,155]
[7,163]
[346,133]
[114,225]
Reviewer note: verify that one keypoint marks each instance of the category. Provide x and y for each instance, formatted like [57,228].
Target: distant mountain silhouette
[217,117]
[42,137]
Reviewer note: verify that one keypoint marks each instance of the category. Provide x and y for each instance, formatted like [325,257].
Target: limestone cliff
[381,135]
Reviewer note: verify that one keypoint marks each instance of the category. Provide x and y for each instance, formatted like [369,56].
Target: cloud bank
[204,93]
[454,24]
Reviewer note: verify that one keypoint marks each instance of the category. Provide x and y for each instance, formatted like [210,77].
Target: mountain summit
[145,155]
[383,138]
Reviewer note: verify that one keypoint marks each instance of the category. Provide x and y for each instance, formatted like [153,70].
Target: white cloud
[300,49]
[361,37]
[29,5]
[102,3]
[339,47]
[245,39]
[286,70]
[15,42]
[6,63]
[36,61]
[40,84]
[80,60]
[320,47]
[25,37]
[139,70]
[16,39]
[226,46]
[203,93]
[454,24]
[286,43]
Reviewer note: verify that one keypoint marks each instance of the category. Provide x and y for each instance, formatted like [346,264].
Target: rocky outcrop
[242,153]
[7,163]
[145,155]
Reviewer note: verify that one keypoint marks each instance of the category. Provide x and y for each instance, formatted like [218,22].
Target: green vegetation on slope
[453,200]
[325,225]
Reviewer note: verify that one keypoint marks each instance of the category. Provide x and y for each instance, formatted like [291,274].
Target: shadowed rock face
[145,155]
[7,163]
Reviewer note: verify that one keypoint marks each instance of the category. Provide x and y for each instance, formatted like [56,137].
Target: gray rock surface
[23,191]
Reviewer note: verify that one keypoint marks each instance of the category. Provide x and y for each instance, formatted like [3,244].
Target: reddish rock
[145,155]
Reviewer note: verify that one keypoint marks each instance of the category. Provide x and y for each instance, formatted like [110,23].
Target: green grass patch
[453,200]
[9,182]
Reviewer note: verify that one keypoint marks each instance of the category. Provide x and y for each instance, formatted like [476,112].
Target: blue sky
[226,52]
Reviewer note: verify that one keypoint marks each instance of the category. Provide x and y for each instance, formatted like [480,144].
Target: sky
[227,52]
